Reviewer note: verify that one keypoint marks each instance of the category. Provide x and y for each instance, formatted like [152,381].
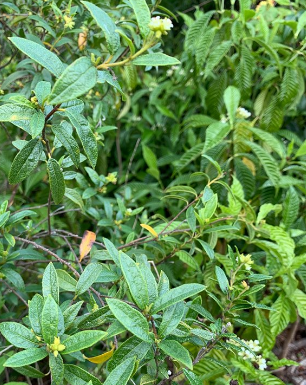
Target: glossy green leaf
[4,218]
[143,16]
[26,357]
[176,295]
[50,282]
[175,350]
[37,123]
[77,79]
[130,318]
[82,340]
[68,141]
[50,320]
[171,318]
[155,59]
[25,161]
[106,24]
[75,375]
[88,277]
[56,179]
[40,54]
[18,335]
[122,373]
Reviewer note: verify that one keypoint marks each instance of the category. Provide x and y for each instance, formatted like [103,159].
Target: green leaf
[56,179]
[215,133]
[192,378]
[39,54]
[145,268]
[135,280]
[75,197]
[35,309]
[176,295]
[155,59]
[301,24]
[50,320]
[57,369]
[222,279]
[175,350]
[299,298]
[75,375]
[105,76]
[82,340]
[50,283]
[188,259]
[291,207]
[71,312]
[13,277]
[37,123]
[130,318]
[122,373]
[88,277]
[112,250]
[143,16]
[191,219]
[26,357]
[42,91]
[280,318]
[86,136]
[68,141]
[18,335]
[171,318]
[300,152]
[232,100]
[65,281]
[207,248]
[270,140]
[4,218]
[18,115]
[25,161]
[216,55]
[29,371]
[77,79]
[106,24]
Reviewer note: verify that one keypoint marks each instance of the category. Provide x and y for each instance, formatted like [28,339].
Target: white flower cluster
[242,113]
[171,70]
[160,26]
[247,355]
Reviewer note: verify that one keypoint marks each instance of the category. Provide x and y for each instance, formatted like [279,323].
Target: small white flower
[243,113]
[169,72]
[160,26]
[262,363]
[169,372]
[191,71]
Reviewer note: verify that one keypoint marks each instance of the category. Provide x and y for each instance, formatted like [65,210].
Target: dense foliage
[152,208]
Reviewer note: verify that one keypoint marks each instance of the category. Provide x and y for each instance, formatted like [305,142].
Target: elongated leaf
[291,207]
[75,197]
[50,320]
[76,80]
[25,161]
[176,295]
[130,318]
[88,240]
[57,182]
[82,340]
[102,358]
[39,54]
[75,375]
[57,369]
[171,318]
[65,281]
[175,350]
[112,250]
[155,59]
[105,76]
[135,280]
[88,277]
[37,123]
[280,318]
[215,133]
[106,24]
[4,218]
[231,100]
[35,309]
[122,373]
[18,335]
[26,357]
[50,283]
[222,279]
[143,16]
[192,378]
[68,141]
[29,371]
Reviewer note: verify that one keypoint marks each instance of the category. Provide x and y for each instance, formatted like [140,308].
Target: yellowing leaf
[101,358]
[150,229]
[87,241]
[250,165]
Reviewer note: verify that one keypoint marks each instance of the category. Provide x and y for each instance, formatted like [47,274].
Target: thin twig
[49,213]
[15,292]
[131,161]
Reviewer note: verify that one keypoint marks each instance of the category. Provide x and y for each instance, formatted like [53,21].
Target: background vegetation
[159,165]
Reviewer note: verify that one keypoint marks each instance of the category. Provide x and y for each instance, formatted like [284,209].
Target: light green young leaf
[26,357]
[175,350]
[143,16]
[155,59]
[135,280]
[232,100]
[188,259]
[299,298]
[56,179]
[77,79]
[82,340]
[148,276]
[25,161]
[42,91]
[122,373]
[279,319]
[68,141]
[291,207]
[106,24]
[4,218]
[18,335]
[50,320]
[75,375]
[265,209]
[130,318]
[50,283]
[40,54]
[88,277]
[176,295]
[37,123]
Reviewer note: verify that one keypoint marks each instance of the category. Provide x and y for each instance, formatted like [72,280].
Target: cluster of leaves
[190,177]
